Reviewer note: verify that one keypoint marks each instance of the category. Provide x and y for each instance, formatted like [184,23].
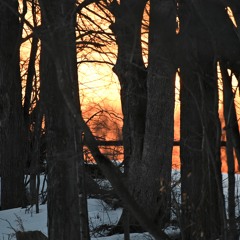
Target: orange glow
[230,14]
[99,86]
[221,116]
[224,161]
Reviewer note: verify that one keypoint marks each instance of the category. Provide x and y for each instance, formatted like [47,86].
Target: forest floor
[101,217]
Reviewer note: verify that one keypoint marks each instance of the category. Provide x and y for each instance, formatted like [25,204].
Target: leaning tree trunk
[59,73]
[11,119]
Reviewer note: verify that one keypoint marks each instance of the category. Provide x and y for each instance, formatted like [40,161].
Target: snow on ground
[19,219]
[99,214]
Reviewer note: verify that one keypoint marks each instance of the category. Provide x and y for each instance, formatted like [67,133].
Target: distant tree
[12,134]
[231,126]
[33,114]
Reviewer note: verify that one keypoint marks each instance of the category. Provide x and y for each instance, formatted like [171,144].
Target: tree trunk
[58,68]
[11,120]
[132,75]
[231,124]
[147,152]
[202,197]
[151,177]
[83,187]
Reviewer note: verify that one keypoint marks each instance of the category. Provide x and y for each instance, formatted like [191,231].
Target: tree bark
[151,177]
[132,74]
[148,114]
[58,64]
[202,197]
[11,120]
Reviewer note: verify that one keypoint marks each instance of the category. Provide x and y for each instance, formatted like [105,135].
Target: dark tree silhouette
[58,68]
[206,37]
[12,135]
[147,97]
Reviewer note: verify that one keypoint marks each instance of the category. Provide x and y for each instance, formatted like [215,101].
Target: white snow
[99,214]
[19,219]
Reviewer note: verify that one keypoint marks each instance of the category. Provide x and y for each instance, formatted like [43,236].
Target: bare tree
[58,65]
[201,44]
[147,97]
[11,123]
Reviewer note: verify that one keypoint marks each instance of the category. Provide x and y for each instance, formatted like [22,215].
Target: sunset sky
[99,86]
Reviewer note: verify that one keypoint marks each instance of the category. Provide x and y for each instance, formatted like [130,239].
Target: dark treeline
[146,43]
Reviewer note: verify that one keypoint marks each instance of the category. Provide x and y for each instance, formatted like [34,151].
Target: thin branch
[84,4]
